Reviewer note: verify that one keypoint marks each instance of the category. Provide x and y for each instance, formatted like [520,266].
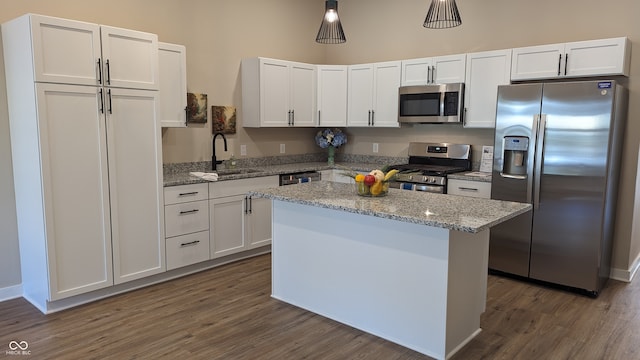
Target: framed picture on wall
[223,119]
[196,108]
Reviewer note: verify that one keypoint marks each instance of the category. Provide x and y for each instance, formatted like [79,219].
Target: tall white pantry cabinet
[86,149]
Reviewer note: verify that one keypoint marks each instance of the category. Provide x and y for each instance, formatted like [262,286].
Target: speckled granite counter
[471,176]
[183,177]
[459,213]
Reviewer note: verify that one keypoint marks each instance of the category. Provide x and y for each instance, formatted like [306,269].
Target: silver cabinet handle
[428,74]
[191,243]
[433,74]
[538,161]
[189,212]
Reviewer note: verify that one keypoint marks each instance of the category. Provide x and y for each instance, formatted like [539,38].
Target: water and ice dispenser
[515,156]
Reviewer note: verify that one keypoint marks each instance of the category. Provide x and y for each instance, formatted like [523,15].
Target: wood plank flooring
[227,313]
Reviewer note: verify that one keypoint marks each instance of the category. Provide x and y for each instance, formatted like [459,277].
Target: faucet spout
[214,160]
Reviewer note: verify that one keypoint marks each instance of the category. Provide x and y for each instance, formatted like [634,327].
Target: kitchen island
[409,267]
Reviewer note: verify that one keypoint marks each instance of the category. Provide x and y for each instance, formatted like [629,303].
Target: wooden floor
[226,313]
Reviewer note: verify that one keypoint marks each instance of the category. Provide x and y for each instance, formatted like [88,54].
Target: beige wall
[218,34]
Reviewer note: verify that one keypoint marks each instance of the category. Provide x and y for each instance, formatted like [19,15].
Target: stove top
[429,163]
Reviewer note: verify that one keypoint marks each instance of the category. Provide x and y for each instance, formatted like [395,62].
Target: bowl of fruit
[374,184]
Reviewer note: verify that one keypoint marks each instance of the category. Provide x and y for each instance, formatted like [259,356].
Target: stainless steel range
[429,164]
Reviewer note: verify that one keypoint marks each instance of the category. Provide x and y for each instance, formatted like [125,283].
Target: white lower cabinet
[479,189]
[187,249]
[186,213]
[239,222]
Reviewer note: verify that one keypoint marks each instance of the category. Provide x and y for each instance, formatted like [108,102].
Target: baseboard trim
[10,292]
[626,275]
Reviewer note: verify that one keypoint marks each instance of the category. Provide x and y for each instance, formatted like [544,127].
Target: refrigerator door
[518,112]
[569,203]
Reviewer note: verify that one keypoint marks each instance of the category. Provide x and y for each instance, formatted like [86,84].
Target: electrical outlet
[281,148]
[243,150]
[375,147]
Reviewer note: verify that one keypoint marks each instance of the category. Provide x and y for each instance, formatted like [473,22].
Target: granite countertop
[452,212]
[183,177]
[471,176]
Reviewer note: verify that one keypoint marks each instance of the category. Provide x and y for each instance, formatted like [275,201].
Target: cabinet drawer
[186,218]
[241,186]
[477,189]
[187,249]
[185,193]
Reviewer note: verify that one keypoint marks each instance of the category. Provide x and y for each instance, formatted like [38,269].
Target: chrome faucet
[214,161]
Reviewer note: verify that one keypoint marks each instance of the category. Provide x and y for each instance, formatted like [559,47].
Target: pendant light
[442,14]
[331,29]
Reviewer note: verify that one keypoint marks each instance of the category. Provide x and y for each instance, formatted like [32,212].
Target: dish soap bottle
[232,162]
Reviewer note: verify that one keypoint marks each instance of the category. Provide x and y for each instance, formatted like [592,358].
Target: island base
[418,286]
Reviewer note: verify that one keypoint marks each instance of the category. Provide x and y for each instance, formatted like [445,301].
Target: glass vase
[331,155]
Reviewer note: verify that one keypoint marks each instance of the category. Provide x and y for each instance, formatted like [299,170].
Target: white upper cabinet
[64,51]
[436,70]
[373,94]
[332,95]
[485,71]
[173,85]
[130,58]
[577,59]
[76,52]
[278,93]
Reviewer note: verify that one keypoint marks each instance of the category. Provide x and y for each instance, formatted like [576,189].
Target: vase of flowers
[331,139]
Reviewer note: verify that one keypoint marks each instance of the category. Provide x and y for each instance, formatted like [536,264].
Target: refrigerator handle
[537,173]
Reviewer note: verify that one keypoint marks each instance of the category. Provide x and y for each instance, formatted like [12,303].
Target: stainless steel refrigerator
[558,147]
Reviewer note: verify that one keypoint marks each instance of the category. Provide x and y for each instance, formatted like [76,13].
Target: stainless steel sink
[223,172]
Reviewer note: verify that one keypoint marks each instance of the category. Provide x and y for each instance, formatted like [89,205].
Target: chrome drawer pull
[189,243]
[189,211]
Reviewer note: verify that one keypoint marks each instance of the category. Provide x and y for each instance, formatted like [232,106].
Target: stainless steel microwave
[438,103]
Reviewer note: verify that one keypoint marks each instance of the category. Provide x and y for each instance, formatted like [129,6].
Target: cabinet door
[537,62]
[449,69]
[385,106]
[274,93]
[258,228]
[135,182]
[332,95]
[130,58]
[65,51]
[75,189]
[416,72]
[597,57]
[227,216]
[172,61]
[302,93]
[485,71]
[360,95]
